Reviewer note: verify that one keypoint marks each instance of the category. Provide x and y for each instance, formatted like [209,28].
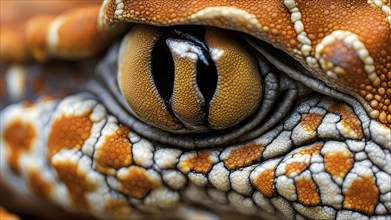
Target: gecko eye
[188,79]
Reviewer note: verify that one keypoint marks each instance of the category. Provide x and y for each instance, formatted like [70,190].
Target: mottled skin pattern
[324,154]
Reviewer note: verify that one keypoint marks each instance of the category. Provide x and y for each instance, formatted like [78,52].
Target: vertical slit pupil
[163,66]
[163,69]
[207,79]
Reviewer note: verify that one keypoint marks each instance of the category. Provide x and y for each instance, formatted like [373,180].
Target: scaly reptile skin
[319,150]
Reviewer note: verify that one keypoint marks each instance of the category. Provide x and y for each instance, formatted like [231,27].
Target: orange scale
[243,156]
[115,152]
[79,35]
[76,182]
[296,167]
[348,118]
[137,183]
[362,195]
[40,186]
[65,134]
[334,18]
[310,122]
[200,163]
[118,208]
[19,138]
[265,183]
[338,164]
[310,151]
[110,9]
[37,36]
[307,191]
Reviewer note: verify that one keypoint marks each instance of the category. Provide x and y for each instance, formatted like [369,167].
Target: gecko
[202,109]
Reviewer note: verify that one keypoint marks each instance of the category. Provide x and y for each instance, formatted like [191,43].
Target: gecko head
[206,66]
[291,99]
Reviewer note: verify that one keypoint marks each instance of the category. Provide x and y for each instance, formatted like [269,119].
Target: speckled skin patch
[76,183]
[243,155]
[311,121]
[265,183]
[307,192]
[39,186]
[200,163]
[69,132]
[136,183]
[361,195]
[350,121]
[338,164]
[115,152]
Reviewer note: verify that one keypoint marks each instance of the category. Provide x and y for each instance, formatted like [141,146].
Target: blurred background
[13,15]
[16,12]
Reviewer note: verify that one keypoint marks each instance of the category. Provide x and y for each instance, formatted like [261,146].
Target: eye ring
[187,105]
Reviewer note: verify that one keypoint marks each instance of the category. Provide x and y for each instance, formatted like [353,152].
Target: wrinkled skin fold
[296,126]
